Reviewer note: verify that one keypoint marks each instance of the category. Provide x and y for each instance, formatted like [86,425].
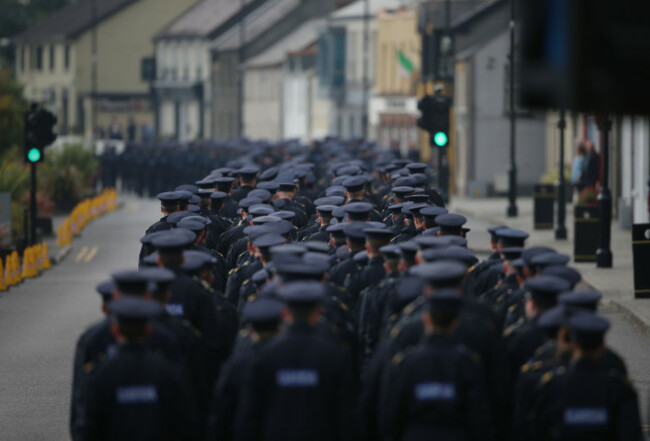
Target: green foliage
[68,173]
[12,107]
[14,179]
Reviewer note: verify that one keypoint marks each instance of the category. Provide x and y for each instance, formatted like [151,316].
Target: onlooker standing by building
[577,166]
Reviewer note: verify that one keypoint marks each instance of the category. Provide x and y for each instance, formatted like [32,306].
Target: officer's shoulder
[510,330]
[470,354]
[559,372]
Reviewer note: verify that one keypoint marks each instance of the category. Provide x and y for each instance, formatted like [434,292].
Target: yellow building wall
[122,41]
[396,30]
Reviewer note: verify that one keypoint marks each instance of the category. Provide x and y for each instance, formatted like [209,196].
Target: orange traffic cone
[46,257]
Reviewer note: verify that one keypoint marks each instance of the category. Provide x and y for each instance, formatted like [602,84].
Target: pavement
[616,283]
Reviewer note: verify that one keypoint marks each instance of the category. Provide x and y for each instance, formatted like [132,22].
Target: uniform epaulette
[246,282]
[512,308]
[397,358]
[344,306]
[250,298]
[89,367]
[244,332]
[394,333]
[510,329]
[197,333]
[546,377]
[471,269]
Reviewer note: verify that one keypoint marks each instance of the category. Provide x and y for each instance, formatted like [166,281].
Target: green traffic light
[440,139]
[34,155]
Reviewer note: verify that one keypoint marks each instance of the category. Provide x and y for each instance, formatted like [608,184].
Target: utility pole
[560,230]
[604,253]
[512,171]
[94,72]
[365,80]
[242,70]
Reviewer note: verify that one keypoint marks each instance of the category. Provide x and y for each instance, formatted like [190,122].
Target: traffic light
[440,133]
[39,133]
[435,118]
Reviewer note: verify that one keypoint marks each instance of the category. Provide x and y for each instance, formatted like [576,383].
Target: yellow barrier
[3,283]
[45,255]
[9,277]
[17,273]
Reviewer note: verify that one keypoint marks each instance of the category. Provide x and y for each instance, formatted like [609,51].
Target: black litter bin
[543,206]
[641,259]
[586,231]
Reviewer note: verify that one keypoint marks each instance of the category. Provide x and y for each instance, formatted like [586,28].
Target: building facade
[481,109]
[183,89]
[54,63]
[393,105]
[231,51]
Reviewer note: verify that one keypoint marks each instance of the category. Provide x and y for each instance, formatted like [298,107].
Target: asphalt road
[41,320]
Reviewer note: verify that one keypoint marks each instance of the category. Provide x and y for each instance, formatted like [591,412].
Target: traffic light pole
[512,170]
[32,206]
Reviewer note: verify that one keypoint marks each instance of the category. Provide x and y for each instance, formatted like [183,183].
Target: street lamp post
[241,69]
[512,170]
[365,80]
[93,72]
[604,253]
[560,231]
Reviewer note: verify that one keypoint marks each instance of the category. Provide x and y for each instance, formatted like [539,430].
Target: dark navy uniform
[301,386]
[586,402]
[137,394]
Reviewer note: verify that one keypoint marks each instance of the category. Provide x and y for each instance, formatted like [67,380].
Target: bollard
[585,233]
[543,206]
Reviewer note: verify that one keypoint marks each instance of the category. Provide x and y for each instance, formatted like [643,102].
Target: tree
[12,108]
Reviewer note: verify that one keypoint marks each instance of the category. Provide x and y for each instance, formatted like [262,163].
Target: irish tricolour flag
[405,65]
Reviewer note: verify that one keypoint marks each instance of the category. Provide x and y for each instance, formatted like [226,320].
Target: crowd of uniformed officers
[325,293]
